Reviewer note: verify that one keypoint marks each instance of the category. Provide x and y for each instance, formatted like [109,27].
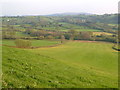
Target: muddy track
[33,47]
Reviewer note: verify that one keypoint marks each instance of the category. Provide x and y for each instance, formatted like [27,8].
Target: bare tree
[62,38]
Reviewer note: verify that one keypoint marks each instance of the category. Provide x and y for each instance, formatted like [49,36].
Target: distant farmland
[61,51]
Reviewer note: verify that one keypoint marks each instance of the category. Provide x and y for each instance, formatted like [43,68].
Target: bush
[41,37]
[22,43]
[49,37]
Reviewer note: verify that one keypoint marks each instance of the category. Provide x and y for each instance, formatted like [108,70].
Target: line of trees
[10,33]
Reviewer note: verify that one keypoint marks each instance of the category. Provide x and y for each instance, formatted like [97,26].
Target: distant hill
[65,21]
[69,13]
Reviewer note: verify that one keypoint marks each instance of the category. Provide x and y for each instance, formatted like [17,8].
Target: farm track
[33,47]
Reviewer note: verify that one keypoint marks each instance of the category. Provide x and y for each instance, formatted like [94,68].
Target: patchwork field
[99,33]
[75,64]
[93,30]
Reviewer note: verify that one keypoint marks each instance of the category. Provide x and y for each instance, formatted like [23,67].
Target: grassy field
[93,30]
[99,33]
[21,34]
[71,65]
[35,43]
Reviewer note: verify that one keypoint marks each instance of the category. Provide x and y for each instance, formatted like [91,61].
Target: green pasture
[93,30]
[21,34]
[74,64]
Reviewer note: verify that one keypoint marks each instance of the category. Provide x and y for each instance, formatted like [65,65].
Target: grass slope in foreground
[72,65]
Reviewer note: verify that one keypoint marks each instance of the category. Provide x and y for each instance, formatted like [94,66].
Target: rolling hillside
[63,22]
[75,64]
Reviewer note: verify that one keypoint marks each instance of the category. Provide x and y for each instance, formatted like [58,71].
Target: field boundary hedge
[115,49]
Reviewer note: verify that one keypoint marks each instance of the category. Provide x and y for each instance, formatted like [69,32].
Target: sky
[44,7]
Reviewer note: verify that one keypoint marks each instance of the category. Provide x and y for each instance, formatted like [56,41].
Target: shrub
[49,37]
[41,37]
[22,43]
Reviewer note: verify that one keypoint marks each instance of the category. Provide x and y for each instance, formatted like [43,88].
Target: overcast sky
[43,7]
